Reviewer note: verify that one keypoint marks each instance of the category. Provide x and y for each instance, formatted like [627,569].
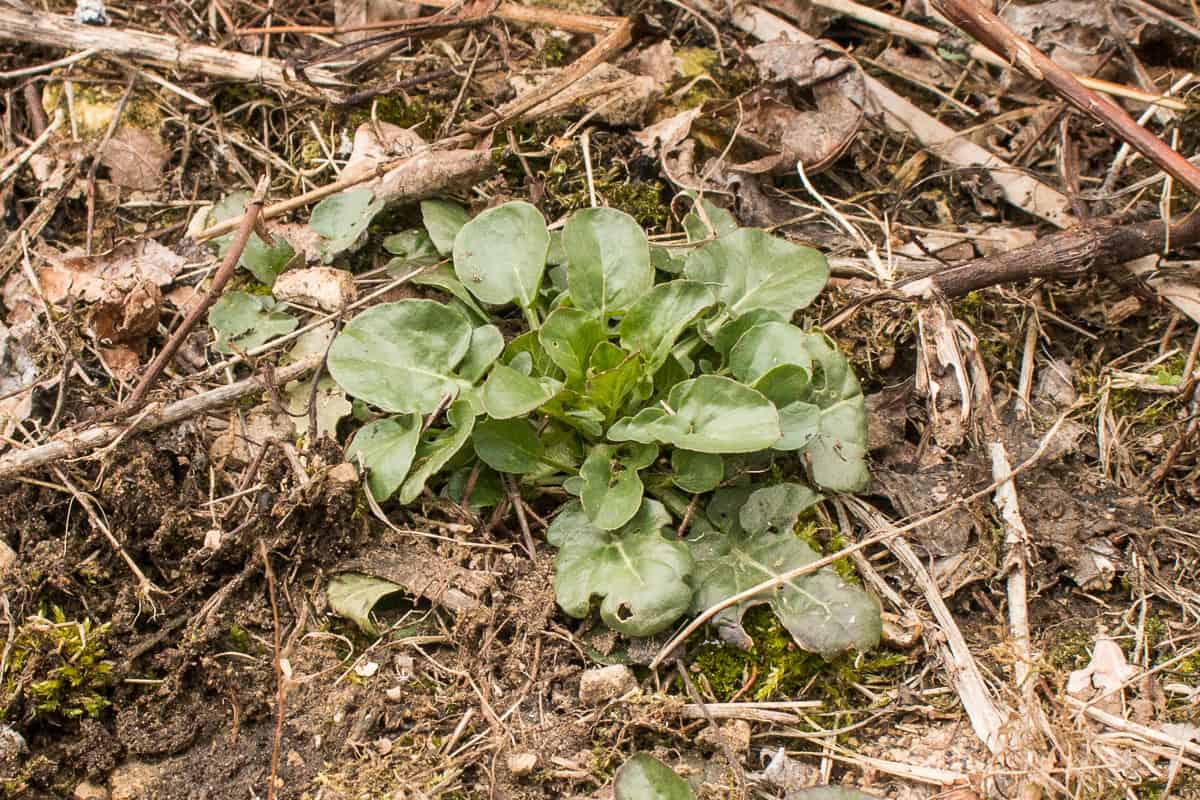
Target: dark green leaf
[500,255]
[655,321]
[412,248]
[353,595]
[608,260]
[612,488]
[568,337]
[696,472]
[777,508]
[401,356]
[436,448]
[750,269]
[486,492]
[509,445]
[386,447]
[645,778]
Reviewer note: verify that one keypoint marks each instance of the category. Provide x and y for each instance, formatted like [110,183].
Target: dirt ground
[168,632]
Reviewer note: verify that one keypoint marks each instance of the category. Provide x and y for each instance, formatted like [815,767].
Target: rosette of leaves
[619,363]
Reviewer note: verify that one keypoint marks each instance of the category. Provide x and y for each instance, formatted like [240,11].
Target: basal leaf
[509,445]
[342,219]
[443,220]
[487,343]
[568,336]
[608,260]
[264,261]
[610,384]
[643,777]
[766,346]
[729,333]
[500,255]
[507,393]
[401,356]
[436,448]
[696,472]
[640,576]
[708,221]
[654,322]
[836,456]
[486,492]
[246,321]
[612,488]
[412,248]
[386,447]
[353,595]
[750,269]
[709,414]
[777,508]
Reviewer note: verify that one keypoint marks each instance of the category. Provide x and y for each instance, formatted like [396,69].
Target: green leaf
[655,321]
[696,472]
[246,321]
[777,508]
[341,219]
[640,575]
[766,346]
[667,259]
[608,260]
[612,489]
[698,230]
[387,448]
[264,261]
[353,595]
[500,254]
[329,399]
[799,420]
[507,393]
[610,386]
[729,333]
[443,219]
[568,337]
[401,356]
[821,611]
[436,449]
[645,778]
[442,277]
[412,248]
[487,343]
[485,494]
[709,414]
[526,354]
[509,445]
[750,269]
[837,455]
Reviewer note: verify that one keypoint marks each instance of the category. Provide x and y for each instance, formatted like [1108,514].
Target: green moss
[58,667]
[835,541]
[784,670]
[1070,647]
[419,111]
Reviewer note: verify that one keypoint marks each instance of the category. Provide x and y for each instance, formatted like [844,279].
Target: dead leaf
[1106,672]
[330,400]
[87,278]
[18,372]
[120,361]
[376,143]
[127,317]
[427,173]
[608,94]
[185,298]
[325,288]
[135,158]
[657,61]
[237,446]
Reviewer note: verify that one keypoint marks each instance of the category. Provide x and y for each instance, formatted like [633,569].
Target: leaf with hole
[612,488]
[608,260]
[750,269]
[386,448]
[709,414]
[500,255]
[342,219]
[639,575]
[245,321]
[401,356]
[643,777]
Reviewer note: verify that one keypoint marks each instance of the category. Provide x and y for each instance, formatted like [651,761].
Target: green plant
[59,666]
[633,374]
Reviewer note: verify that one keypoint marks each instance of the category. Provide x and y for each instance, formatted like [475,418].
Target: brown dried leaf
[609,93]
[87,278]
[127,317]
[135,158]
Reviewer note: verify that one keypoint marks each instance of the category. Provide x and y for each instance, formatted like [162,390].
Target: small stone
[366,669]
[323,287]
[344,474]
[133,780]
[394,694]
[520,764]
[90,791]
[605,683]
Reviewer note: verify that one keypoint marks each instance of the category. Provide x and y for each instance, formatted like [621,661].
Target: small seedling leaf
[246,321]
[643,777]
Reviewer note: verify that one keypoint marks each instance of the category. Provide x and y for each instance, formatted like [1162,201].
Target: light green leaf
[655,321]
[788,387]
[729,333]
[442,277]
[507,393]
[342,219]
[837,455]
[668,259]
[509,445]
[608,260]
[443,219]
[612,489]
[696,472]
[246,321]
[821,611]
[568,336]
[715,222]
[387,448]
[612,377]
[412,248]
[750,269]
[645,778]
[264,261]
[709,414]
[500,254]
[401,356]
[436,448]
[487,343]
[353,595]
[766,346]
[329,399]
[640,575]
